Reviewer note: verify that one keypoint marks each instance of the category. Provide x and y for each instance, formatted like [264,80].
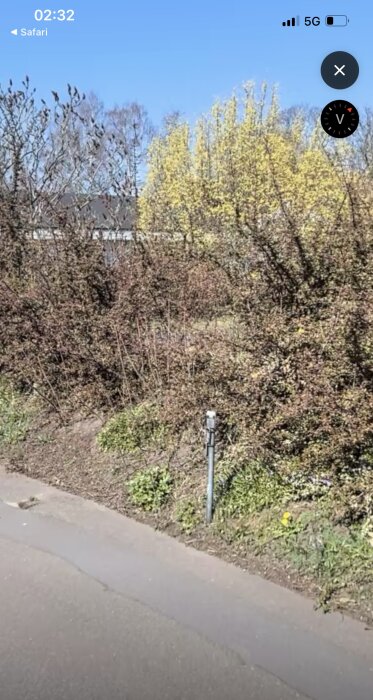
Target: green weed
[187,514]
[44,439]
[14,416]
[150,488]
[336,557]
[133,429]
[252,489]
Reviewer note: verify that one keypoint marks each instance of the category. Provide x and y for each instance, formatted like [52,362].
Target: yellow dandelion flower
[285,518]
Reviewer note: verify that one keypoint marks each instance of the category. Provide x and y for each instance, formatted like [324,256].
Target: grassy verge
[315,534]
[295,520]
[298,522]
[15,415]
[302,534]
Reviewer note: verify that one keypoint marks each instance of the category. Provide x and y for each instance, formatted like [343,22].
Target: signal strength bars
[293,22]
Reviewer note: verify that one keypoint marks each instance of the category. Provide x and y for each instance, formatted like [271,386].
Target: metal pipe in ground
[210,452]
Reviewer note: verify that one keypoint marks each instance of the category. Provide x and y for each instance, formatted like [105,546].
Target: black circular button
[340,70]
[340,119]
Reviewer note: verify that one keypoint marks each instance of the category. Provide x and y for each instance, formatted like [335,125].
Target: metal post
[210,453]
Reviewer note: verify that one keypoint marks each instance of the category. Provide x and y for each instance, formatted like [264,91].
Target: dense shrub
[256,300]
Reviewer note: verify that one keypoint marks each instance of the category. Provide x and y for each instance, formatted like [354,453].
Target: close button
[340,70]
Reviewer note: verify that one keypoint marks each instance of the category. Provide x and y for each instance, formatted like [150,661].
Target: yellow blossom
[285,518]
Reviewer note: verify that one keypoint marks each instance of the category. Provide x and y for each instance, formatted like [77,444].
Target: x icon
[339,70]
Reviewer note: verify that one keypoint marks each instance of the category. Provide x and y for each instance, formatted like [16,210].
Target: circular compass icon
[339,119]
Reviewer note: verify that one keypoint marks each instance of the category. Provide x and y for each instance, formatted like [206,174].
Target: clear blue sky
[181,55]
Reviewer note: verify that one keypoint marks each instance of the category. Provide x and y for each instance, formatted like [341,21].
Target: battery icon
[336,20]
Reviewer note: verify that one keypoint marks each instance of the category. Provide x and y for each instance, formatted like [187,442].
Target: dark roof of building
[100,211]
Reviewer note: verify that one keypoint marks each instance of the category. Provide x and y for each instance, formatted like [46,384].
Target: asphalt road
[96,606]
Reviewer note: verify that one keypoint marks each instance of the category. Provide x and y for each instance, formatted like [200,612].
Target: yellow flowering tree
[237,169]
